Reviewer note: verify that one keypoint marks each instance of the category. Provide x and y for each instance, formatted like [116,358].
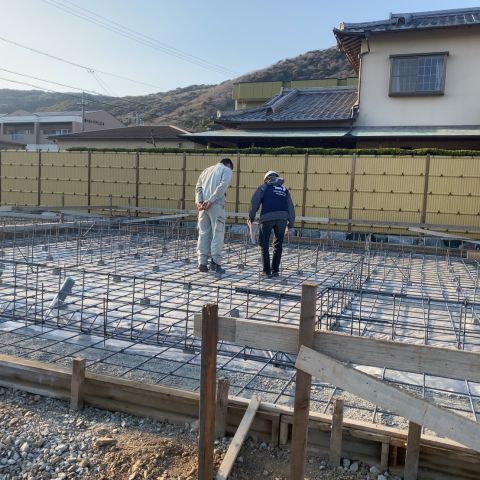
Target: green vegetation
[191,107]
[395,152]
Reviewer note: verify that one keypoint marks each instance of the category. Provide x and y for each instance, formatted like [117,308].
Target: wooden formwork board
[439,458]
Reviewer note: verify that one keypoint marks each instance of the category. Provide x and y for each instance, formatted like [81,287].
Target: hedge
[295,151]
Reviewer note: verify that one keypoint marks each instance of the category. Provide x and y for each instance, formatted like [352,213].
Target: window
[417,74]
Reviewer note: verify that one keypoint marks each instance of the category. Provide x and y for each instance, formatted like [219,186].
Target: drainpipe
[360,72]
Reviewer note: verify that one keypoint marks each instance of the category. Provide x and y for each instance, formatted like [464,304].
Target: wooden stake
[384,456]
[238,439]
[303,384]
[78,377]
[413,451]
[222,407]
[336,435]
[207,391]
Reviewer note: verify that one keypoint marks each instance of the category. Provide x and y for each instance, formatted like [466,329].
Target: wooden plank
[207,391]
[336,434]
[413,451]
[221,407]
[439,419]
[238,439]
[442,362]
[303,384]
[78,377]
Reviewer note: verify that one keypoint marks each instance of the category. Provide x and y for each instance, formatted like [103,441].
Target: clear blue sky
[237,36]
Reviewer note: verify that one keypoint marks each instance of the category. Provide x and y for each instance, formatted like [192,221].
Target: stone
[346,463]
[381,477]
[59,449]
[374,470]
[354,467]
[105,441]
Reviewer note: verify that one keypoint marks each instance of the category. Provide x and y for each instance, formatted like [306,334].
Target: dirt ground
[40,439]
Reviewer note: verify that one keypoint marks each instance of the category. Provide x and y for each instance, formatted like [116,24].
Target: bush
[396,152]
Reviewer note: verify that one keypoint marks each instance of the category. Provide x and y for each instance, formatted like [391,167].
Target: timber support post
[303,384]
[221,407]
[78,377]
[413,451]
[207,391]
[336,434]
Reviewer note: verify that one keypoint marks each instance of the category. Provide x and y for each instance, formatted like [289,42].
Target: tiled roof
[300,105]
[349,35]
[127,133]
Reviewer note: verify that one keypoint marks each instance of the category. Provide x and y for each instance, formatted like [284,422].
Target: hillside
[190,107]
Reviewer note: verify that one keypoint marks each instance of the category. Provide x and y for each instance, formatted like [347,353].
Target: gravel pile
[40,438]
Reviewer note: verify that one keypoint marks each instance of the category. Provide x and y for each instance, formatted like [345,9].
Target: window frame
[417,93]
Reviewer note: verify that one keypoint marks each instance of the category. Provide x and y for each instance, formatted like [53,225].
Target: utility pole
[83,110]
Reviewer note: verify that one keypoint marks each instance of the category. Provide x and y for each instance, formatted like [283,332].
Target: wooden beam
[221,407]
[442,362]
[207,391]
[238,439]
[336,434]
[440,420]
[78,377]
[303,383]
[413,451]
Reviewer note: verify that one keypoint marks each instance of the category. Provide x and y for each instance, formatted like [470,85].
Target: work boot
[266,275]
[202,268]
[215,267]
[275,274]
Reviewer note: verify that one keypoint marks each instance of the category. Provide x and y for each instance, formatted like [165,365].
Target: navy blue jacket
[275,200]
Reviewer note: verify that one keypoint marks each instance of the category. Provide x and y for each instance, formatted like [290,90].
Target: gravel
[40,439]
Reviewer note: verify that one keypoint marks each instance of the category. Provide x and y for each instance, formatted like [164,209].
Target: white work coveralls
[212,186]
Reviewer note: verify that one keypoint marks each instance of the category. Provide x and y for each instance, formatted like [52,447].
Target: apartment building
[33,129]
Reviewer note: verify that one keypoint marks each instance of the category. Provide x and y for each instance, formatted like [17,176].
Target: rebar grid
[137,289]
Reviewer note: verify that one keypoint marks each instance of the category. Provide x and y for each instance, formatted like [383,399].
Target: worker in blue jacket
[277,215]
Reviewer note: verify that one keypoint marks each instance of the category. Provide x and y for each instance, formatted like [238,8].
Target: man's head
[227,162]
[270,175]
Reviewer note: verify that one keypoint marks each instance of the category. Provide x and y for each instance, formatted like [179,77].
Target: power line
[138,37]
[51,81]
[45,89]
[69,62]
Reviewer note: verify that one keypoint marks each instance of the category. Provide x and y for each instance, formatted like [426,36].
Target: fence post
[137,181]
[303,384]
[305,184]
[207,391]
[184,180]
[39,179]
[1,183]
[89,179]
[352,191]
[336,433]
[237,186]
[423,215]
[413,451]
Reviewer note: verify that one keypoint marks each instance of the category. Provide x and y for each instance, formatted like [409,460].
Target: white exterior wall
[460,104]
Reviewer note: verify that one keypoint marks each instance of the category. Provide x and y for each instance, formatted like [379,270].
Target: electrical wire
[138,37]
[69,62]
[93,92]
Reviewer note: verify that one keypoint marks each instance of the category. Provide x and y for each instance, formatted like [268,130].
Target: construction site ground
[40,438]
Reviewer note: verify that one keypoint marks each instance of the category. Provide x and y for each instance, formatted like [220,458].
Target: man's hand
[199,206]
[206,205]
[287,230]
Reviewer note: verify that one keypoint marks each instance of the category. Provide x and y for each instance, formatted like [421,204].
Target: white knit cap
[270,173]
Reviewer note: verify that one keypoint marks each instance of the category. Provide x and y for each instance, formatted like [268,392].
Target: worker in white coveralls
[210,194]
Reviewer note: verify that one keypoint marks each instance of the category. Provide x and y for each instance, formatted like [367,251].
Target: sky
[160,45]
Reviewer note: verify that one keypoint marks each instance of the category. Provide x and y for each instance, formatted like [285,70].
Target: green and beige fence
[381,193]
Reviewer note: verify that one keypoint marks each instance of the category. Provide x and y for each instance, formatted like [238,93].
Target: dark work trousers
[278,227]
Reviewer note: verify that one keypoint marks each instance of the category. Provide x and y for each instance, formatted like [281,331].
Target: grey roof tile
[127,133]
[300,104]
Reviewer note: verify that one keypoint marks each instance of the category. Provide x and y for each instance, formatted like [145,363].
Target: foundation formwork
[136,289]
